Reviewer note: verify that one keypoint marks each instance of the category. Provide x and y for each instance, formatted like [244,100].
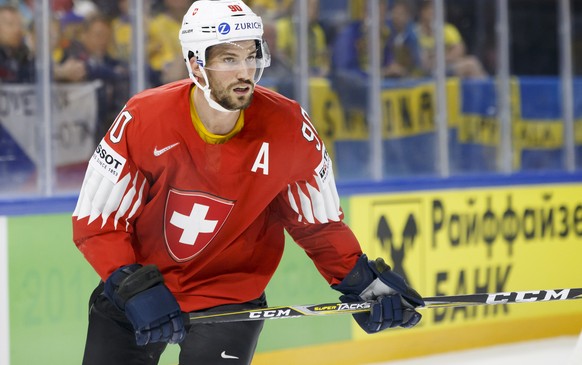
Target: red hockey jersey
[211,216]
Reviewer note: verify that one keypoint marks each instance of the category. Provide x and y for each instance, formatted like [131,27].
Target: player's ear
[196,71]
[195,68]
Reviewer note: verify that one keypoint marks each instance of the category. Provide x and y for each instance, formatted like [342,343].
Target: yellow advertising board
[477,241]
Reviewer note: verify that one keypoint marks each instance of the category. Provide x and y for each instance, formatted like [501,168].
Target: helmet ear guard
[209,23]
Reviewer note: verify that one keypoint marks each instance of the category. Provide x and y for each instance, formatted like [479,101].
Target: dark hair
[425,4]
[95,18]
[9,8]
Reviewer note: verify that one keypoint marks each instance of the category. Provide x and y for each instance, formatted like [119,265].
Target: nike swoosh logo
[165,149]
[225,356]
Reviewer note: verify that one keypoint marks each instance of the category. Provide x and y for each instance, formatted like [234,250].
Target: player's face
[231,69]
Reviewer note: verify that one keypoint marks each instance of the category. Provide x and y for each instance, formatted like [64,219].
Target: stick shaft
[461,300]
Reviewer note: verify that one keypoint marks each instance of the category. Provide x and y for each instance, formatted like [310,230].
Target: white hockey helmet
[211,22]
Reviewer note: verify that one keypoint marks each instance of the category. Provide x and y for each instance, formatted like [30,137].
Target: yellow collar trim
[207,136]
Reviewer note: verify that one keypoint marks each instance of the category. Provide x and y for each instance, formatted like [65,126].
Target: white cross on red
[194,224]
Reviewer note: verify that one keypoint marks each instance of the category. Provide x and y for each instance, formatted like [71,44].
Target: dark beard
[227,102]
[230,104]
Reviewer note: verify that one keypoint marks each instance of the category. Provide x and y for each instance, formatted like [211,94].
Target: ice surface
[554,351]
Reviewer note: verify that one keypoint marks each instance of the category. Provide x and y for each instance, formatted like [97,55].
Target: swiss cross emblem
[191,221]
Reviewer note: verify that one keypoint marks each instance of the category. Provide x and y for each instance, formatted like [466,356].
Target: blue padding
[466,181]
[478,97]
[36,205]
[66,204]
[541,98]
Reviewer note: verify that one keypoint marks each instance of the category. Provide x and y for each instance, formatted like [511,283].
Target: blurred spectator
[92,48]
[108,8]
[400,52]
[271,9]
[121,27]
[26,8]
[16,60]
[286,41]
[165,52]
[72,19]
[70,70]
[404,49]
[279,74]
[350,49]
[61,6]
[349,60]
[458,63]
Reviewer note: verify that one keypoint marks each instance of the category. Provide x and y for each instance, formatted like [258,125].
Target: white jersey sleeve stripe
[79,206]
[90,184]
[305,205]
[326,203]
[318,202]
[331,199]
[99,197]
[114,199]
[99,200]
[138,201]
[293,203]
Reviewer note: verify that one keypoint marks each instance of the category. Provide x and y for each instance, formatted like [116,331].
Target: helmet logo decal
[235,8]
[194,11]
[224,28]
[249,25]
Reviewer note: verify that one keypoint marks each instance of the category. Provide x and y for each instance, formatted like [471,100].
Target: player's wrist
[127,281]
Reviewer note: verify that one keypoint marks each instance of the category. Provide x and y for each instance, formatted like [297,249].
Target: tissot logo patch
[108,162]
[192,220]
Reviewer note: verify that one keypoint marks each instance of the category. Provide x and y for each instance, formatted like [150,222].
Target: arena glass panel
[50,128]
[21,100]
[410,129]
[536,88]
[470,51]
[576,22]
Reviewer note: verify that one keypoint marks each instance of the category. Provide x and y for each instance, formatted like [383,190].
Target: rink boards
[444,241]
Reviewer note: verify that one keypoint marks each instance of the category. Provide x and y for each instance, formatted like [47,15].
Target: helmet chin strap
[206,89]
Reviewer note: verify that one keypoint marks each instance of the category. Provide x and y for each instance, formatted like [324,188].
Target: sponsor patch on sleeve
[107,161]
[324,167]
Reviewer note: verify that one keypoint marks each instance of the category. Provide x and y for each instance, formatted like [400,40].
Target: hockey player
[186,199]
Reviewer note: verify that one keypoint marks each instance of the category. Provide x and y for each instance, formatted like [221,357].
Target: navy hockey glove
[149,305]
[393,300]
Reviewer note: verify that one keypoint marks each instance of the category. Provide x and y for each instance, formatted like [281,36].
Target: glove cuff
[127,281]
[358,279]
[141,280]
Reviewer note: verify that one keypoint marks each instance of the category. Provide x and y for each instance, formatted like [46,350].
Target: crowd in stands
[91,40]
[407,36]
[338,49]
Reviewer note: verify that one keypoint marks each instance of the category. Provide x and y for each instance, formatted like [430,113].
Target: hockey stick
[294,311]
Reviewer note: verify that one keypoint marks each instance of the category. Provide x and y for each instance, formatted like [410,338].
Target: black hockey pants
[111,341]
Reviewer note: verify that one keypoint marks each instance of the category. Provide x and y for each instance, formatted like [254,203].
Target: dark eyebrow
[222,51]
[233,54]
[227,53]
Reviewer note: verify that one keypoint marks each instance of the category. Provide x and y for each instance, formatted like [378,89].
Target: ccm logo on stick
[354,306]
[528,296]
[271,313]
